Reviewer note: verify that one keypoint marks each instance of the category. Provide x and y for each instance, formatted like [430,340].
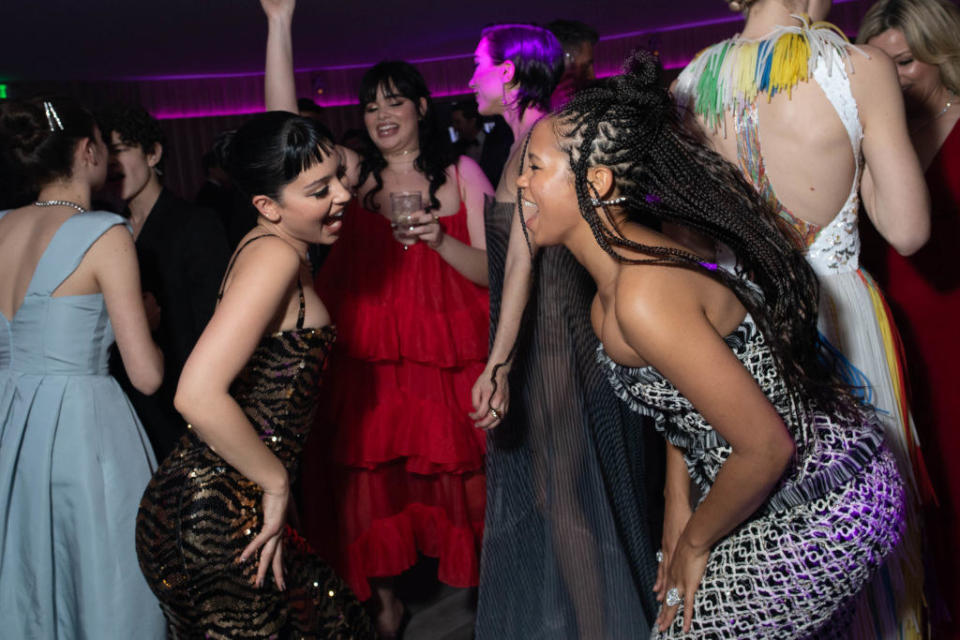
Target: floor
[437,611]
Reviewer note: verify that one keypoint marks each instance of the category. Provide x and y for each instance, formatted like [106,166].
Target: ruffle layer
[394,516]
[393,305]
[419,413]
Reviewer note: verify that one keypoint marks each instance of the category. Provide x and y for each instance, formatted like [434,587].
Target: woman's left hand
[684,574]
[427,228]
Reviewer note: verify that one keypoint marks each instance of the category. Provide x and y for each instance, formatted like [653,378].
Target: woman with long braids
[568,540]
[817,126]
[797,498]
[411,306]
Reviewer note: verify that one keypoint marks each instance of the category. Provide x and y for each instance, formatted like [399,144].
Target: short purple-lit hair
[537,59]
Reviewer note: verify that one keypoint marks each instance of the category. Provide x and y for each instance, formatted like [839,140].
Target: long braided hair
[630,124]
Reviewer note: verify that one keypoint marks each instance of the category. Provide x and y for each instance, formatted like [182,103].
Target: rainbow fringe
[734,72]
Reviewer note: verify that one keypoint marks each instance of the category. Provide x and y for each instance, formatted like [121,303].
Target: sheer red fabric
[396,467]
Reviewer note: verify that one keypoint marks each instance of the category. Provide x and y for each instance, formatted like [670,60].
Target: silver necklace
[949,104]
[59,203]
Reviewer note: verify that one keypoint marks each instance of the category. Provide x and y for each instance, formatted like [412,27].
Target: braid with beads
[629,124]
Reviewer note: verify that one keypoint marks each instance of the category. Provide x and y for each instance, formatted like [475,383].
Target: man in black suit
[182,250]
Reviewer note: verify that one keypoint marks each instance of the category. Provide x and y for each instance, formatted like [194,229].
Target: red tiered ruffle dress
[397,466]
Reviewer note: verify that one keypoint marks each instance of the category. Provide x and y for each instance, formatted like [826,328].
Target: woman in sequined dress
[797,498]
[210,533]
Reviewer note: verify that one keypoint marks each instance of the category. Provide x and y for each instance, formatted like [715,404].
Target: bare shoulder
[653,302]
[269,258]
[868,65]
[472,176]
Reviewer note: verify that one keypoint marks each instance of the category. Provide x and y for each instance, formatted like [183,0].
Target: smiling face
[487,81]
[920,81]
[311,207]
[131,167]
[392,120]
[550,207]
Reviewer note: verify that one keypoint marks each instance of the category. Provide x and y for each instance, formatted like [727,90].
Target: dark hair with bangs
[537,59]
[272,149]
[33,152]
[436,154]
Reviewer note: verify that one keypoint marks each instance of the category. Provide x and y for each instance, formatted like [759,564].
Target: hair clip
[652,198]
[53,120]
[596,202]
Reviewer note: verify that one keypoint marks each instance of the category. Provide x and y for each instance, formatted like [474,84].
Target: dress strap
[301,314]
[68,247]
[233,260]
[303,307]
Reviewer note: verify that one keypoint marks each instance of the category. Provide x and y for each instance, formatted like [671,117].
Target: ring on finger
[495,413]
[673,597]
[659,556]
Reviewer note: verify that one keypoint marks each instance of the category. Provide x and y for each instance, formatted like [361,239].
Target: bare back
[805,150]
[24,236]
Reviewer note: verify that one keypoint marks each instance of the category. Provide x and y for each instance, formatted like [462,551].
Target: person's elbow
[147,380]
[912,238]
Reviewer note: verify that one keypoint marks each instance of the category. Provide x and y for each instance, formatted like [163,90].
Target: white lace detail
[837,247]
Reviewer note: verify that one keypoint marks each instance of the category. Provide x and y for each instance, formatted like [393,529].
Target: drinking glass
[403,204]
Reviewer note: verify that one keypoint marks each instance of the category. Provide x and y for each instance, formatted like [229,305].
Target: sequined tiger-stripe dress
[199,513]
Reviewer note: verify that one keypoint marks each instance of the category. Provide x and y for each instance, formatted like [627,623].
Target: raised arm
[258,295]
[280,87]
[670,330]
[893,189]
[470,260]
[114,263]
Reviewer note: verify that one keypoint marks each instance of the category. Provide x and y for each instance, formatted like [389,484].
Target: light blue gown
[74,461]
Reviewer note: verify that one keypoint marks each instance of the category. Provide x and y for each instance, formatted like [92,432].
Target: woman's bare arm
[470,260]
[261,284]
[893,190]
[114,264]
[516,293]
[280,87]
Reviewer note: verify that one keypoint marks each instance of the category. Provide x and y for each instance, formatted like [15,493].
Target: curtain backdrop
[195,109]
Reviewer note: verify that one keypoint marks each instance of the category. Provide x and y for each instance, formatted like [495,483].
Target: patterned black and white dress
[790,570]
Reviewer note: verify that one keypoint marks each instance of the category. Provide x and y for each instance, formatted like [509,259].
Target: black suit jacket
[182,250]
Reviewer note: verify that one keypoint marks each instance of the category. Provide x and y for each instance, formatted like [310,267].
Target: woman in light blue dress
[74,459]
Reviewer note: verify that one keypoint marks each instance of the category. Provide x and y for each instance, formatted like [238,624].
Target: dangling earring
[597,202]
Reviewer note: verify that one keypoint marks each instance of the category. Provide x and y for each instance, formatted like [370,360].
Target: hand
[278,9]
[684,573]
[676,514]
[490,401]
[403,226]
[270,537]
[153,311]
[426,227]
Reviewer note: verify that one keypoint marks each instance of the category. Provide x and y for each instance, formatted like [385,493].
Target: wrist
[278,483]
[440,238]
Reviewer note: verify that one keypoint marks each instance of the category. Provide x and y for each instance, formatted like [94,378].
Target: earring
[596,202]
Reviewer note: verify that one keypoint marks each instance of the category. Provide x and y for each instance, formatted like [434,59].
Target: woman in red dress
[404,464]
[924,289]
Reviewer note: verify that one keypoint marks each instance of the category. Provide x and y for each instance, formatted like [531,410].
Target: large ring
[495,413]
[659,556]
[673,597]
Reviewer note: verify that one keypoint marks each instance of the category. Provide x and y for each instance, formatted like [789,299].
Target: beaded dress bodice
[830,450]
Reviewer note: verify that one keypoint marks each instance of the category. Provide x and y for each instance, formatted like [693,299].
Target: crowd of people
[606,350]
